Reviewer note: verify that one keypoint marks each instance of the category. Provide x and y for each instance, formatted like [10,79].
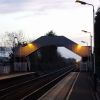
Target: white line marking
[68,96]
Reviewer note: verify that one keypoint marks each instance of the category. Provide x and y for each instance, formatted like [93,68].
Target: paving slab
[82,89]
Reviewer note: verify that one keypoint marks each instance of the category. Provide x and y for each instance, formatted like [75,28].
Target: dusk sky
[37,17]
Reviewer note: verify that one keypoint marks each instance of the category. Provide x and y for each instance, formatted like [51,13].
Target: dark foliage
[97,41]
[51,33]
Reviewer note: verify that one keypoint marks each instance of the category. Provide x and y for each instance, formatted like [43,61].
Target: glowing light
[30,44]
[28,49]
[79,46]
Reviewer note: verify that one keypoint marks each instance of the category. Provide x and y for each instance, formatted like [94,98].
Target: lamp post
[85,42]
[15,41]
[90,46]
[90,38]
[94,68]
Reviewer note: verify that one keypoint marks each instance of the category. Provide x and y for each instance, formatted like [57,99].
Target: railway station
[65,84]
[32,64]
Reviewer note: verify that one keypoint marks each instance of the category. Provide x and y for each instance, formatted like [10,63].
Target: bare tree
[13,38]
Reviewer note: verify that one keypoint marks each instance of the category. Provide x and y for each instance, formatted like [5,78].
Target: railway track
[10,81]
[34,88]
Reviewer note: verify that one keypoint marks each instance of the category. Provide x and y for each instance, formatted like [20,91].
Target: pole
[93,52]
[94,67]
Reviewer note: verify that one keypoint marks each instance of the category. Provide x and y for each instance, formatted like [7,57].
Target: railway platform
[76,86]
[13,75]
[82,89]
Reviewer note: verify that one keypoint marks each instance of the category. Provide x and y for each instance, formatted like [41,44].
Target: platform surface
[72,88]
[6,76]
[82,89]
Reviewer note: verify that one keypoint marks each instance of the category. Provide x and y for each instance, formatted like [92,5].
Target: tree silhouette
[97,41]
[13,39]
[51,33]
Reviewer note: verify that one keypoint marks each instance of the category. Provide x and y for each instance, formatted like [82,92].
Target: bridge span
[61,41]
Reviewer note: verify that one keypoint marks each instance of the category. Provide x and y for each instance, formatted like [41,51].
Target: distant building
[4,60]
[4,51]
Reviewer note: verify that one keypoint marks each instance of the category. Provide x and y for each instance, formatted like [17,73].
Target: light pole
[14,46]
[94,68]
[90,39]
[90,57]
[16,41]
[85,42]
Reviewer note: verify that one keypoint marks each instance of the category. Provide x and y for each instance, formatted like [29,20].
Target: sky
[34,18]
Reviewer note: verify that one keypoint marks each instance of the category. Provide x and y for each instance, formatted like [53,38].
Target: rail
[24,89]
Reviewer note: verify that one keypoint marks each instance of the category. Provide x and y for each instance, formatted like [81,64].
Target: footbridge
[59,41]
